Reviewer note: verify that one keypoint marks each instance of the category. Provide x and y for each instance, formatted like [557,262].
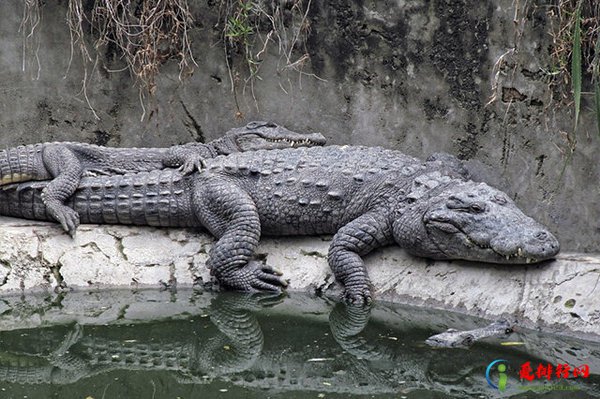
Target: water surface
[151,344]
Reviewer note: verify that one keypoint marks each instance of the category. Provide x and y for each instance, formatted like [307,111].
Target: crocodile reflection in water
[348,324]
[229,346]
[236,346]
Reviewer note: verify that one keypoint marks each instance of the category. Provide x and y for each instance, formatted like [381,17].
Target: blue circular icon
[489,369]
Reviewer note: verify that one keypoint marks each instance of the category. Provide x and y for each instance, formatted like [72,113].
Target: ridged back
[157,198]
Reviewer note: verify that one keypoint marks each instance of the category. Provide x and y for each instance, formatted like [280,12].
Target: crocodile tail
[157,198]
[24,200]
[22,163]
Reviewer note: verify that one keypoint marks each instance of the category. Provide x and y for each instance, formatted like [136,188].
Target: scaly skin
[452,338]
[81,356]
[66,162]
[366,197]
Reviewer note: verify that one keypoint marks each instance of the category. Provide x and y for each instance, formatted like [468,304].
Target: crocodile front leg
[347,323]
[189,157]
[230,214]
[66,169]
[355,239]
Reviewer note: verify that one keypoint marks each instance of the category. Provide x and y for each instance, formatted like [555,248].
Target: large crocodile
[67,162]
[368,197]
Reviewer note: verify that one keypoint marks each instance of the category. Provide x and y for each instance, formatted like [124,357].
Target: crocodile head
[452,338]
[472,221]
[269,136]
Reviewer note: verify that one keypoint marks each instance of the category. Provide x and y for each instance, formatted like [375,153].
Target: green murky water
[149,344]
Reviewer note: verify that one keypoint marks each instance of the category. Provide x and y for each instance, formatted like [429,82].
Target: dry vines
[30,21]
[144,34]
[244,25]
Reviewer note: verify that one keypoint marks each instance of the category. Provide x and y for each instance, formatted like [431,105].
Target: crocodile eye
[477,208]
[254,125]
[508,331]
[468,340]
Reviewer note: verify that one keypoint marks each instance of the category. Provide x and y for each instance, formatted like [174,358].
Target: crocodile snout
[536,245]
[546,242]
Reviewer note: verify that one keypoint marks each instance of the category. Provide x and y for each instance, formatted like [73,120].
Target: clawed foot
[255,276]
[67,217]
[191,164]
[251,301]
[267,299]
[359,296]
[71,339]
[271,300]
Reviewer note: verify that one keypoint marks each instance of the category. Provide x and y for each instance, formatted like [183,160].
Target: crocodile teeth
[519,251]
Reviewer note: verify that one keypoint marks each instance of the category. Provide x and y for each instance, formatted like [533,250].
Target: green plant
[251,27]
[238,27]
[576,62]
[574,26]
[576,36]
[596,80]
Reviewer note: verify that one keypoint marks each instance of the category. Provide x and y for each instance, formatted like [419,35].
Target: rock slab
[559,296]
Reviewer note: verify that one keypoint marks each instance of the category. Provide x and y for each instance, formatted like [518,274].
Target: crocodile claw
[251,301]
[256,276]
[192,164]
[67,217]
[359,296]
[267,300]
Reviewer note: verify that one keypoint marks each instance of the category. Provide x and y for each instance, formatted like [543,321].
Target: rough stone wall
[409,75]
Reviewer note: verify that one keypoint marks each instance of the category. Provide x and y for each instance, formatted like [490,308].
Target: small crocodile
[368,197]
[452,338]
[66,162]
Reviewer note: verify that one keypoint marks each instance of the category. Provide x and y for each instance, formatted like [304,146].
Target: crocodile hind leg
[66,169]
[349,244]
[230,214]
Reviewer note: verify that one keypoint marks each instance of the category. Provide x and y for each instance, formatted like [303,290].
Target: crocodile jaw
[476,222]
[257,141]
[526,243]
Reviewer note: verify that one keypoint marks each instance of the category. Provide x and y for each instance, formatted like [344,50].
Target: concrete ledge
[559,296]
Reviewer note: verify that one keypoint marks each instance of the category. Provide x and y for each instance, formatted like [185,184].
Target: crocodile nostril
[541,235]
